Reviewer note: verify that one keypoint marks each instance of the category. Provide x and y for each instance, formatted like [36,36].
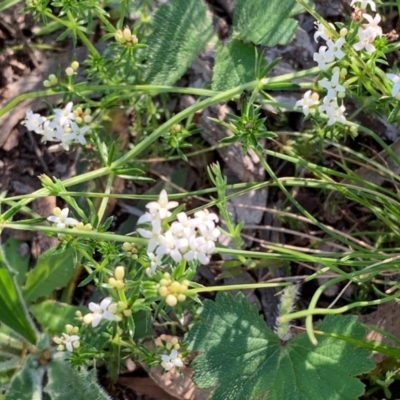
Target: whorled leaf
[243,359]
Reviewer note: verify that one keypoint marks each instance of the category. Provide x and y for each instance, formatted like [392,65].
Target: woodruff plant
[149,275]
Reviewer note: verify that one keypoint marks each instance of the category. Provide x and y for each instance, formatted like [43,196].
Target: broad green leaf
[27,383]
[182,28]
[13,312]
[236,63]
[65,382]
[266,22]
[243,359]
[54,269]
[53,315]
[13,251]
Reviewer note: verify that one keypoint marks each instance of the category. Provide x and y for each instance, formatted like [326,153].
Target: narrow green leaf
[236,63]
[53,315]
[243,359]
[7,3]
[14,253]
[182,28]
[13,312]
[270,27]
[66,383]
[27,383]
[54,269]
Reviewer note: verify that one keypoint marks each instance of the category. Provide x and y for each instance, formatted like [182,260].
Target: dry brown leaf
[386,317]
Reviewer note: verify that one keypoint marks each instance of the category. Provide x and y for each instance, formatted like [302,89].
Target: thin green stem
[237,287]
[104,201]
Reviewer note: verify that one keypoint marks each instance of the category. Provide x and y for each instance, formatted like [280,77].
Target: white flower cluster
[370,31]
[332,106]
[105,310]
[192,239]
[62,127]
[69,340]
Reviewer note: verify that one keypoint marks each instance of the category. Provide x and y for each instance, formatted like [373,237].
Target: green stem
[104,200]
[237,287]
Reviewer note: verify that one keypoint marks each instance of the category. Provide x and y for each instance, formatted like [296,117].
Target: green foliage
[66,382]
[54,269]
[27,382]
[181,30]
[13,311]
[19,262]
[274,25]
[53,315]
[244,359]
[242,60]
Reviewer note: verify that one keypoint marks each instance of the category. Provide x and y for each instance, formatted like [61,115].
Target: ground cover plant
[144,256]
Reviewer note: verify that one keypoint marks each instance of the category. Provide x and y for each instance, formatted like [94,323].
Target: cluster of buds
[71,70]
[50,81]
[173,291]
[62,127]
[83,115]
[83,227]
[117,281]
[68,340]
[131,249]
[125,36]
[168,361]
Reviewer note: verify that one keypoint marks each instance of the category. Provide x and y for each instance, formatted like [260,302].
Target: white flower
[309,100]
[373,24]
[333,111]
[172,246]
[34,122]
[153,235]
[105,310]
[198,250]
[366,36]
[64,116]
[61,218]
[161,207]
[204,217]
[155,262]
[396,87]
[78,133]
[364,4]
[171,360]
[71,342]
[323,57]
[51,132]
[322,31]
[333,87]
[336,47]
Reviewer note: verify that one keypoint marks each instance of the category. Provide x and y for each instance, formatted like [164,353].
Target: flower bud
[46,83]
[174,287]
[163,291]
[53,79]
[69,71]
[171,300]
[119,273]
[74,65]
[343,32]
[76,344]
[88,318]
[69,328]
[181,298]
[119,36]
